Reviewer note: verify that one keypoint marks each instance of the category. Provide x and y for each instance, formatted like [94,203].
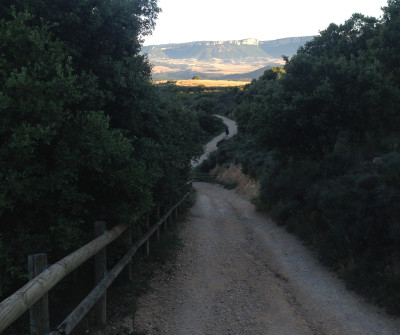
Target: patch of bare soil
[239,273]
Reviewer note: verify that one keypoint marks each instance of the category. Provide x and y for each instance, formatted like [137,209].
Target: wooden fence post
[176,208]
[158,219]
[148,241]
[100,309]
[39,312]
[129,273]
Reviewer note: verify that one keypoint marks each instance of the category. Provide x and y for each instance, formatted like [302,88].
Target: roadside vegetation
[208,96]
[84,134]
[204,101]
[322,136]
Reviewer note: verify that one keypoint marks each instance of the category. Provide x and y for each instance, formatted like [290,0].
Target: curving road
[239,273]
[212,145]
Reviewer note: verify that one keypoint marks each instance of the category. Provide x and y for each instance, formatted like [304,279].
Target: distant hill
[237,49]
[234,60]
[247,76]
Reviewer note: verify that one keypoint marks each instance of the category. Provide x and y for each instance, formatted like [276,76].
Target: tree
[104,40]
[58,164]
[386,44]
[84,135]
[318,128]
[333,85]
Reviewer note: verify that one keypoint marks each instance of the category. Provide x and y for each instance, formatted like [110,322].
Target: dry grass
[214,66]
[206,83]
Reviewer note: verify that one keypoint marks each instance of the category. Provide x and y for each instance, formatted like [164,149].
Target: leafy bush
[211,124]
[321,133]
[84,135]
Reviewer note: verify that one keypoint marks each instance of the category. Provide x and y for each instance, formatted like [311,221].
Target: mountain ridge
[290,44]
[218,59]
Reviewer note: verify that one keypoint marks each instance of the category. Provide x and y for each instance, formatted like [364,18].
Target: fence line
[85,306]
[15,305]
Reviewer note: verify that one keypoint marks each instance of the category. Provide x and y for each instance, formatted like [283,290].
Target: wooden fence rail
[14,306]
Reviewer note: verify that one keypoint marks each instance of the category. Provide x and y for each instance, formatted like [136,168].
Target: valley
[214,68]
[204,82]
[222,60]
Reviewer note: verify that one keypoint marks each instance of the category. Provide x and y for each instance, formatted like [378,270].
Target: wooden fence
[33,295]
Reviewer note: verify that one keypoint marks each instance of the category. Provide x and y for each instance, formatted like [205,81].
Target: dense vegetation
[84,134]
[206,99]
[322,135]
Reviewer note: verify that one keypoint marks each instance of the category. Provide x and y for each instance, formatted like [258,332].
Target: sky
[221,20]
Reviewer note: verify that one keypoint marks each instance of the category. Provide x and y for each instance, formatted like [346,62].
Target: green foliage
[211,100]
[84,134]
[208,164]
[324,129]
[211,124]
[386,46]
[58,164]
[229,184]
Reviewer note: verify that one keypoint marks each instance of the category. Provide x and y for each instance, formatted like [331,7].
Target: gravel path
[239,273]
[212,145]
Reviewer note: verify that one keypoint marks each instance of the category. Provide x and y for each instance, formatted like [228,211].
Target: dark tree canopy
[327,128]
[84,135]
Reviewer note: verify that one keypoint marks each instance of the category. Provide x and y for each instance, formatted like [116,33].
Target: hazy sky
[214,20]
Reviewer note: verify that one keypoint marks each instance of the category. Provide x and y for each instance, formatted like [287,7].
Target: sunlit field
[205,82]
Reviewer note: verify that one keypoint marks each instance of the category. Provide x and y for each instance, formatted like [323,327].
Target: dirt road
[239,273]
[212,145]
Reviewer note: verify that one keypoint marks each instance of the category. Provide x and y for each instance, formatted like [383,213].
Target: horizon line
[228,40]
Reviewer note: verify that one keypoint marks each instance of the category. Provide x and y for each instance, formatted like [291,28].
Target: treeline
[206,101]
[322,135]
[84,135]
